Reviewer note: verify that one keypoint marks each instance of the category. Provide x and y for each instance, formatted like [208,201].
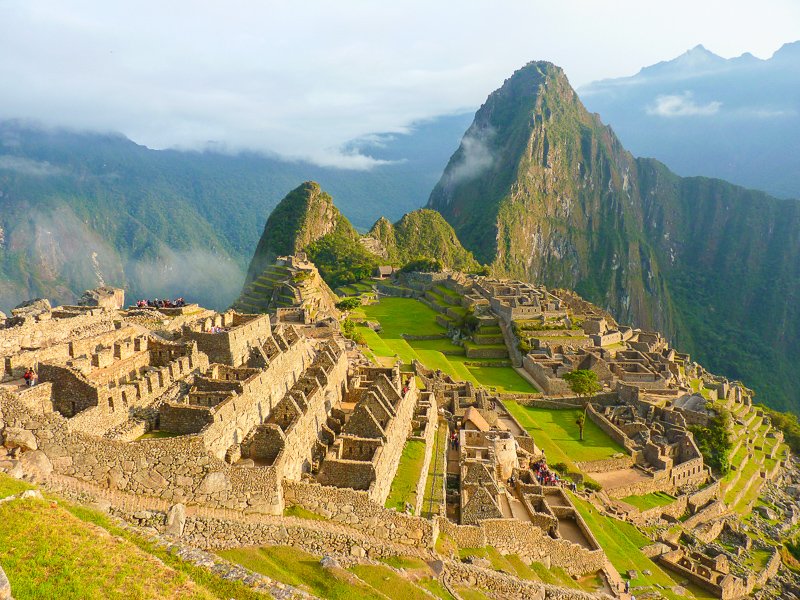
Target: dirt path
[620,478]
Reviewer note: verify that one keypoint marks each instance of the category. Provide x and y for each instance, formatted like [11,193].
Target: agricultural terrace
[623,544]
[556,432]
[407,316]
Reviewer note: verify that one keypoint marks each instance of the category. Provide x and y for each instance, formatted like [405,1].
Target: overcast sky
[300,78]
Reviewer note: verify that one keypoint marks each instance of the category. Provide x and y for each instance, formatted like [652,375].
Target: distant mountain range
[78,209]
[543,191]
[701,114]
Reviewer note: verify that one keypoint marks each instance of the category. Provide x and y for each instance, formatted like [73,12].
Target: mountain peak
[790,50]
[303,216]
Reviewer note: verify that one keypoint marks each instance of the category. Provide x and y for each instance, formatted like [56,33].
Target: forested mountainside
[542,190]
[702,114]
[78,209]
[307,220]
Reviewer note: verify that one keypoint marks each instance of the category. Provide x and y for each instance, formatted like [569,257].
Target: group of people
[164,303]
[454,440]
[30,377]
[543,473]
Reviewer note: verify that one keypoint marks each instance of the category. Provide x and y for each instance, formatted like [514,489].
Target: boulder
[5,586]
[329,562]
[176,520]
[16,437]
[32,494]
[214,482]
[767,513]
[105,297]
[36,463]
[32,308]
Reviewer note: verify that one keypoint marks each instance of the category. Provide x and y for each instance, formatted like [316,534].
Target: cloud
[681,105]
[475,155]
[27,166]
[302,79]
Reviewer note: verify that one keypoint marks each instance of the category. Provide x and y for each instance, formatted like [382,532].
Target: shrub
[423,265]
[592,485]
[350,332]
[348,303]
[714,442]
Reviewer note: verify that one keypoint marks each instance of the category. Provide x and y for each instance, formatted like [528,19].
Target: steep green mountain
[77,209]
[542,190]
[306,220]
[421,234]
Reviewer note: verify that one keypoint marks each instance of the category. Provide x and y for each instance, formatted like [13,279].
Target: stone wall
[231,346]
[429,437]
[172,469]
[503,586]
[608,464]
[544,378]
[614,432]
[355,509]
[52,332]
[511,536]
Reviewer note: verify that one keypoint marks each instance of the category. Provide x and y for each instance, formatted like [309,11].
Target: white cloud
[27,166]
[476,156]
[301,79]
[682,105]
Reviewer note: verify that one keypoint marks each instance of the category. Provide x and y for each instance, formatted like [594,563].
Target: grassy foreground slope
[55,550]
[360,582]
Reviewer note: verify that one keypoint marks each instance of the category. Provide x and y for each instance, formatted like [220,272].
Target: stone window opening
[111,404]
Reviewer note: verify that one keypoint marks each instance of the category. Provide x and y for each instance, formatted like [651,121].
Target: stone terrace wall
[510,536]
[388,456]
[235,417]
[172,469]
[503,586]
[355,509]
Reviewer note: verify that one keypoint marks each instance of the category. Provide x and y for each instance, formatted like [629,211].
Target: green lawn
[404,485]
[389,582]
[622,543]
[556,432]
[648,501]
[399,316]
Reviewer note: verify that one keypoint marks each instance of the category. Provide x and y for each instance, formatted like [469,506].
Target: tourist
[30,377]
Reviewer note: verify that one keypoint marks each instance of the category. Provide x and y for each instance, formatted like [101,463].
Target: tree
[580,422]
[348,303]
[583,382]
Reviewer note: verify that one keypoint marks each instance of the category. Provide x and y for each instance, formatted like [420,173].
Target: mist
[197,276]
